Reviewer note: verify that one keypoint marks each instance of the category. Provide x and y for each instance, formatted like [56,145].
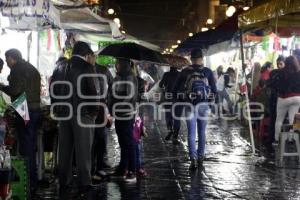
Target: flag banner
[21,106]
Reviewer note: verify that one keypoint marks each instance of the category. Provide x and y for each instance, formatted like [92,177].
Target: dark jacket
[288,84]
[70,71]
[24,77]
[227,81]
[168,80]
[179,85]
[103,85]
[123,90]
[141,88]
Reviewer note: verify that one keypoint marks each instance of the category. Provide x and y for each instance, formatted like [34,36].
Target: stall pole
[247,97]
[38,51]
[236,86]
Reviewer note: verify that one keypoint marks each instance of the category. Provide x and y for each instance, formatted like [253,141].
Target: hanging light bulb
[191,34]
[178,41]
[232,9]
[111,11]
[209,21]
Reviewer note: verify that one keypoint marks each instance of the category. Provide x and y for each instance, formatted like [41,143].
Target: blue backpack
[196,87]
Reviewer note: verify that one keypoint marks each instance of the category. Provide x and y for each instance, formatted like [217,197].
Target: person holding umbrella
[123,95]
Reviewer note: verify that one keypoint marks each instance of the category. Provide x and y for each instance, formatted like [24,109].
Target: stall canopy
[96,38]
[224,32]
[67,15]
[282,16]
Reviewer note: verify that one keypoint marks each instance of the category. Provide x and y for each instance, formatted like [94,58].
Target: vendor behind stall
[24,77]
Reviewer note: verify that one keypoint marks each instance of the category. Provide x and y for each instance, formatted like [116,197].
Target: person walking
[223,83]
[76,133]
[167,84]
[24,77]
[197,79]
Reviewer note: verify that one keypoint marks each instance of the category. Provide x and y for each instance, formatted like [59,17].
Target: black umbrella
[132,51]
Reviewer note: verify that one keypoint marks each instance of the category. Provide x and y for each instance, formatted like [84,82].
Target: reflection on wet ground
[230,172]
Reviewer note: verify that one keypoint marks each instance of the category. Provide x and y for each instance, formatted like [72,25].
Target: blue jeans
[138,155]
[197,117]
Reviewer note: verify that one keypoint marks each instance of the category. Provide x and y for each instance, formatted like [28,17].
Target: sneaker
[99,176]
[193,165]
[141,173]
[130,178]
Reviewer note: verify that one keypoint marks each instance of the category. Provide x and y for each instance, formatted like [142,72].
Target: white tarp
[38,14]
[95,38]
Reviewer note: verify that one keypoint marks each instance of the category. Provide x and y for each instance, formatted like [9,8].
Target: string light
[204,29]
[209,21]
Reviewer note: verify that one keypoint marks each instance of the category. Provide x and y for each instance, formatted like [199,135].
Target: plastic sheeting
[43,14]
[274,14]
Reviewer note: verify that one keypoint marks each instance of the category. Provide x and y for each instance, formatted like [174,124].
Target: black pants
[27,135]
[73,136]
[99,148]
[124,130]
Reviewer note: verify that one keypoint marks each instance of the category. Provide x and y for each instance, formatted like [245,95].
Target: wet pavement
[230,170]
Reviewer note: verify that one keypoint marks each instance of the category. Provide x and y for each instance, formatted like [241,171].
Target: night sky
[161,22]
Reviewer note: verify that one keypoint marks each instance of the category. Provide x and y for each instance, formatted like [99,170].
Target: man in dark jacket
[196,115]
[77,131]
[101,133]
[24,77]
[167,84]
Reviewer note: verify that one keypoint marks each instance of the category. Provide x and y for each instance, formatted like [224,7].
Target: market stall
[39,29]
